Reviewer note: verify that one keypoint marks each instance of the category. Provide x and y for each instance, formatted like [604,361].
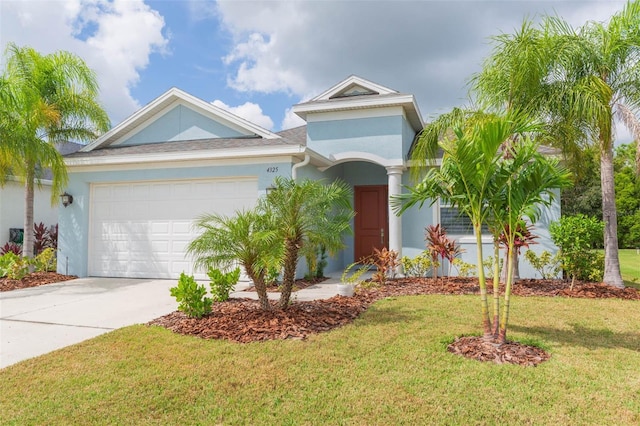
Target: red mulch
[241,320]
[299,284]
[34,280]
[507,353]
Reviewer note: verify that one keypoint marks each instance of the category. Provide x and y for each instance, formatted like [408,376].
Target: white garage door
[141,229]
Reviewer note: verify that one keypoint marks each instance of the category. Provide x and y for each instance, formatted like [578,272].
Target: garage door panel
[142,229]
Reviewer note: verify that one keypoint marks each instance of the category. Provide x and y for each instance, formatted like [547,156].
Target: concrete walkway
[38,320]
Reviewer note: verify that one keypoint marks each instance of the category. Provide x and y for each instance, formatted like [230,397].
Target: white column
[394,174]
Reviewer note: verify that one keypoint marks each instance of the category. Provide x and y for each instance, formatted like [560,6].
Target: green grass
[389,367]
[630,267]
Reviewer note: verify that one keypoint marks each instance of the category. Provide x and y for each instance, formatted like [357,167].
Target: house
[12,201]
[137,188]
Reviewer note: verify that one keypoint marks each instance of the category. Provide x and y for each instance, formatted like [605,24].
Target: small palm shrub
[191,297]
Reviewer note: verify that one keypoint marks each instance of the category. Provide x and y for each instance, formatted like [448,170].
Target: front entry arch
[372,219]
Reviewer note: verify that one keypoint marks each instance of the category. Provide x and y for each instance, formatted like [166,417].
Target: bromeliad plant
[386,262]
[441,247]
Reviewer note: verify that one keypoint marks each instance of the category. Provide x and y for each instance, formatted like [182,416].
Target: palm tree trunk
[496,287]
[261,289]
[502,336]
[515,269]
[486,322]
[289,273]
[612,274]
[28,239]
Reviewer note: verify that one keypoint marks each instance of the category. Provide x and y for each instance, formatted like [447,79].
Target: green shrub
[45,261]
[191,297]
[464,269]
[222,283]
[272,275]
[547,265]
[487,264]
[13,266]
[419,266]
[576,236]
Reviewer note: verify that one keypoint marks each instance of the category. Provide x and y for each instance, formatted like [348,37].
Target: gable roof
[345,88]
[173,96]
[358,93]
[288,142]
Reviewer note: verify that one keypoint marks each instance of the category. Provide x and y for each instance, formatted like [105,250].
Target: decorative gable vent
[354,90]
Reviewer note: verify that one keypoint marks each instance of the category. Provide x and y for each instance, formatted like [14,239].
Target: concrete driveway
[34,321]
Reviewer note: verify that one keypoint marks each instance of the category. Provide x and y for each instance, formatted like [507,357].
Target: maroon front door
[371,221]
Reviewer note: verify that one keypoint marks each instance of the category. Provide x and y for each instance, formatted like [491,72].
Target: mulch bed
[242,320]
[299,284]
[34,280]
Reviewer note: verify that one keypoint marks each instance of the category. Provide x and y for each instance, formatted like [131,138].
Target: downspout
[294,169]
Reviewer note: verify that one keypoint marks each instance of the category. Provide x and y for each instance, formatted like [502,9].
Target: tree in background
[578,81]
[627,196]
[47,100]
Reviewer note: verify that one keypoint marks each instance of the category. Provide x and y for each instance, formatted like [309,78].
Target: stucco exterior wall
[181,123]
[74,220]
[12,208]
[381,136]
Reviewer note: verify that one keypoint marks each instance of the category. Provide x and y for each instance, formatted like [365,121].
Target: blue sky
[257,59]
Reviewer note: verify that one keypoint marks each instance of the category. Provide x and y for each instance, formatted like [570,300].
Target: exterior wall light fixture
[66,199]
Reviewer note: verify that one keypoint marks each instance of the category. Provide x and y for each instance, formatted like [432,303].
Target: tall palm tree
[54,100]
[579,81]
[307,212]
[246,238]
[528,181]
[468,177]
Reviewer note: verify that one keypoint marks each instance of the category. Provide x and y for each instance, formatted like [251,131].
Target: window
[456,223]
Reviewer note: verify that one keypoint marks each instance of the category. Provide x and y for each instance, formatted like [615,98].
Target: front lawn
[630,267]
[389,367]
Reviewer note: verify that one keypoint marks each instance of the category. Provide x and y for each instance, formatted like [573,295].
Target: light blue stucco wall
[74,219]
[415,220]
[181,123]
[382,136]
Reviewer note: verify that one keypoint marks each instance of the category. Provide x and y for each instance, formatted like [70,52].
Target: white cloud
[115,38]
[291,120]
[427,48]
[248,111]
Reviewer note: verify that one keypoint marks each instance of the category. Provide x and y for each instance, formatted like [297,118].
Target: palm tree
[53,100]
[527,183]
[468,177]
[246,238]
[307,212]
[578,81]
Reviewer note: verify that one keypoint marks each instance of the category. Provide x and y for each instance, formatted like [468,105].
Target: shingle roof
[296,136]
